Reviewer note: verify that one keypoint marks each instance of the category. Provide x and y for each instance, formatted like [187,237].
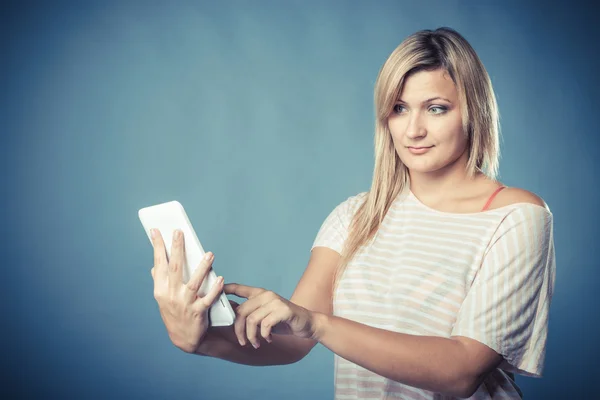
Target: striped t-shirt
[488,276]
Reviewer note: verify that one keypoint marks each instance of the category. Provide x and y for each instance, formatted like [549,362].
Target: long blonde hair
[424,50]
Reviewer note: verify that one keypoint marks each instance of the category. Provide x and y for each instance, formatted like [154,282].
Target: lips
[419,150]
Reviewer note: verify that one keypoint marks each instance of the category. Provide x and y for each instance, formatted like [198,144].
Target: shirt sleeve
[334,230]
[507,305]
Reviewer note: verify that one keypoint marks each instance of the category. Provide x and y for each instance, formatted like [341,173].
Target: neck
[449,182]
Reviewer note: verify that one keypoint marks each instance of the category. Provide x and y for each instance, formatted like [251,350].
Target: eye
[398,108]
[437,110]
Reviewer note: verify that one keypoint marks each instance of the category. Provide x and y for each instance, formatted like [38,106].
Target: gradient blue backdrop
[258,117]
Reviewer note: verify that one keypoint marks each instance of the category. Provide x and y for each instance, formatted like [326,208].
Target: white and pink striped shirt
[488,276]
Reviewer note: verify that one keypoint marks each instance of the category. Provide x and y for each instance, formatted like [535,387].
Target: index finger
[244,291]
[160,254]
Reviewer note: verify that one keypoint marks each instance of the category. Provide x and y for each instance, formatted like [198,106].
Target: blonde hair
[424,50]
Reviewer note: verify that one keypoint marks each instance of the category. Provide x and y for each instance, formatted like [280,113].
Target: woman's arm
[313,292]
[454,366]
[221,342]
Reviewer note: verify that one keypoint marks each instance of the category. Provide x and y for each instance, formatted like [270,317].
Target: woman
[434,284]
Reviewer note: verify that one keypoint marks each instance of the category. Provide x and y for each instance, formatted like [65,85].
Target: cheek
[456,124]
[448,130]
[396,127]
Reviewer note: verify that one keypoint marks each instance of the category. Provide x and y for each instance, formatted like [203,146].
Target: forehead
[426,84]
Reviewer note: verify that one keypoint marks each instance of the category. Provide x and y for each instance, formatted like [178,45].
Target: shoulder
[358,198]
[529,212]
[524,216]
[354,201]
[346,208]
[513,195]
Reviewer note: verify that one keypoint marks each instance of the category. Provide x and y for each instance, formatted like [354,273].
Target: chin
[422,167]
[422,170]
[426,163]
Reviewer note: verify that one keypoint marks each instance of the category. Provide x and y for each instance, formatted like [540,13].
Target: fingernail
[153,232]
[241,342]
[256,346]
[208,256]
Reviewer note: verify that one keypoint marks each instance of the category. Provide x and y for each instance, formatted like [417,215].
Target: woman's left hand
[271,312]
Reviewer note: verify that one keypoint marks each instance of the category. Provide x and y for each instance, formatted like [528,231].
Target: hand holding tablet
[186,288]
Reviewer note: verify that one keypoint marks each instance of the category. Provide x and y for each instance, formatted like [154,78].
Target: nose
[415,128]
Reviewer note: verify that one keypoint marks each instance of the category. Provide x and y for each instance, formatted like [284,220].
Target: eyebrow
[428,100]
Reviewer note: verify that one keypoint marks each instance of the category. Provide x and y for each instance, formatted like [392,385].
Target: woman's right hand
[184,313]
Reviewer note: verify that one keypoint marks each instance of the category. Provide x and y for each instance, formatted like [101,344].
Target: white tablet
[167,217]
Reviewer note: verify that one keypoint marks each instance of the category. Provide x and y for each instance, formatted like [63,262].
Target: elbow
[292,359]
[287,357]
[293,354]
[299,355]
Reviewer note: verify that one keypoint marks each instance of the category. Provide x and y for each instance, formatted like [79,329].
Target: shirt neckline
[414,198]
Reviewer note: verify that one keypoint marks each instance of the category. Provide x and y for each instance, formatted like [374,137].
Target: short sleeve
[334,230]
[507,305]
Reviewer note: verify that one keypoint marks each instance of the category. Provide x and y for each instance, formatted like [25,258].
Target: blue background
[258,117]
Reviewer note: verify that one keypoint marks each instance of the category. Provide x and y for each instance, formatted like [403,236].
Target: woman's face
[426,123]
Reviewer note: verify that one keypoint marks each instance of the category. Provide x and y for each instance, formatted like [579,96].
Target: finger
[281,314]
[160,281]
[176,261]
[246,309]
[160,255]
[212,295]
[239,325]
[198,277]
[243,291]
[254,320]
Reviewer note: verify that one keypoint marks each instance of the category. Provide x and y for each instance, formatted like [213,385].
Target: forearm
[221,342]
[427,362]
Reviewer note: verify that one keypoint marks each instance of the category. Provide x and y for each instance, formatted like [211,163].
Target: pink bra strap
[492,197]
